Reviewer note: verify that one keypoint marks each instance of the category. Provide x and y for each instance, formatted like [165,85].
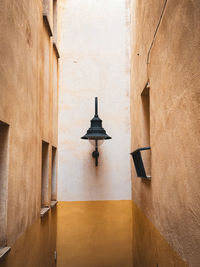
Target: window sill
[4,251]
[47,24]
[44,211]
[53,203]
[56,49]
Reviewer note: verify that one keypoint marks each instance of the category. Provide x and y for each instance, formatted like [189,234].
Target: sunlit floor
[94,234]
[77,234]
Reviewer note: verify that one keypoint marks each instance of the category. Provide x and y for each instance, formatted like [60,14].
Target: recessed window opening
[45,174]
[47,16]
[46,7]
[55,20]
[146,154]
[54,174]
[4,149]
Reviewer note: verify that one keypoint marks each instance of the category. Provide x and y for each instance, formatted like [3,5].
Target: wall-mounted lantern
[96,132]
[138,162]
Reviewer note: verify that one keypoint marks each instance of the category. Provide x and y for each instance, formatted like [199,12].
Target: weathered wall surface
[171,200]
[94,62]
[26,94]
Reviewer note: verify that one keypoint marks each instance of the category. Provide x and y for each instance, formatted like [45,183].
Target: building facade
[165,116]
[28,124]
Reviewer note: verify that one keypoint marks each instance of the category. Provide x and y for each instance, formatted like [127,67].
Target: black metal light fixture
[138,162]
[96,132]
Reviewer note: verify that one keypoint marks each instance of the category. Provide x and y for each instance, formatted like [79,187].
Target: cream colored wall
[171,200]
[94,38]
[26,106]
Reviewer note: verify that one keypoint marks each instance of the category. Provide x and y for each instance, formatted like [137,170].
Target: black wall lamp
[96,132]
[138,162]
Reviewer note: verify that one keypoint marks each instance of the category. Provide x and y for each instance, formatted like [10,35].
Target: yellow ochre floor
[83,234]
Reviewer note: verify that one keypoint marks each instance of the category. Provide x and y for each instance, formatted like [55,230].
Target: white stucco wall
[94,48]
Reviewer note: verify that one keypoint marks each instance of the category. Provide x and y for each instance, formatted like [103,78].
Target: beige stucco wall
[27,104]
[94,48]
[171,200]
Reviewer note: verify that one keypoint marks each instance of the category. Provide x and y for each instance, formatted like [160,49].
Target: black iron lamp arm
[141,149]
[95,154]
[96,107]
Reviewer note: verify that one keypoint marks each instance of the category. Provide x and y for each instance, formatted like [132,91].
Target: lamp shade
[96,131]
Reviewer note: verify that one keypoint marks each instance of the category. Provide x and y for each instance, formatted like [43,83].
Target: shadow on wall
[149,247]
[94,177]
[84,234]
[36,246]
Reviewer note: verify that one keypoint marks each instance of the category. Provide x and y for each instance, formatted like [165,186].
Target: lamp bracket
[138,162]
[95,153]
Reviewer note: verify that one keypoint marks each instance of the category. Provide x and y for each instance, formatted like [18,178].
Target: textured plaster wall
[94,52]
[27,104]
[166,35]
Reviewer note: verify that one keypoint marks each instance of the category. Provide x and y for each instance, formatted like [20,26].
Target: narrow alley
[99,133]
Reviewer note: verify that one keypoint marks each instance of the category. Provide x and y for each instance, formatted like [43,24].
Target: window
[54,174]
[4,145]
[55,20]
[47,16]
[45,175]
[55,28]
[146,154]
